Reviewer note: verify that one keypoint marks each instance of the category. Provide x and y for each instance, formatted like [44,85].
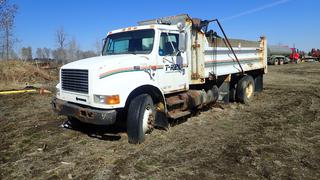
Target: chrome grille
[74,80]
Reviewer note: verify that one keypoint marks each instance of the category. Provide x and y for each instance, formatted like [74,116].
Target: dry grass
[275,137]
[18,74]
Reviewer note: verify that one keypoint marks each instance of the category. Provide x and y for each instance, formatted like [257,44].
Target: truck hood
[107,62]
[104,66]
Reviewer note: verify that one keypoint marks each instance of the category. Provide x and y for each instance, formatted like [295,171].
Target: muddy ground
[275,137]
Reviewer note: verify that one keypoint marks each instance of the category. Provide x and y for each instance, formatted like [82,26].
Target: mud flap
[161,121]
[224,90]
[258,83]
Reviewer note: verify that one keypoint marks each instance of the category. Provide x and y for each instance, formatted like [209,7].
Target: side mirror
[182,42]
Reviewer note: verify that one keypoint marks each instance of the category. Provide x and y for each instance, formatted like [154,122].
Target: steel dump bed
[219,59]
[210,54]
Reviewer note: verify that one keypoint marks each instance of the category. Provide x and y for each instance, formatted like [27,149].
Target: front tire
[140,119]
[245,89]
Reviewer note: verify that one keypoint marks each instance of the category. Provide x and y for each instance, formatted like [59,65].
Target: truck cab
[157,48]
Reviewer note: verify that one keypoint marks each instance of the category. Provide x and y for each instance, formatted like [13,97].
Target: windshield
[131,42]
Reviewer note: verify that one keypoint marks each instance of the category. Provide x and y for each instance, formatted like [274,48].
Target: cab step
[174,101]
[178,114]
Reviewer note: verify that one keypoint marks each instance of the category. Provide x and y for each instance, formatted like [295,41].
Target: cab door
[172,77]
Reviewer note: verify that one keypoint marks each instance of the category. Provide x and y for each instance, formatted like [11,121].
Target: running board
[178,114]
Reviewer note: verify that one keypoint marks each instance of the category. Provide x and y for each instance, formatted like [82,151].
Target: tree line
[67,49]
[7,16]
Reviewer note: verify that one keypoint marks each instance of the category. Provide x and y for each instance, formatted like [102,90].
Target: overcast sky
[285,22]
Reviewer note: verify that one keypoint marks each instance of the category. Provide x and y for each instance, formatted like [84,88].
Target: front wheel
[245,89]
[140,119]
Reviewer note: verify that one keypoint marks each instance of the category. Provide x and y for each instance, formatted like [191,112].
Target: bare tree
[40,53]
[59,55]
[46,53]
[26,53]
[87,54]
[7,16]
[2,3]
[61,39]
[98,46]
[73,50]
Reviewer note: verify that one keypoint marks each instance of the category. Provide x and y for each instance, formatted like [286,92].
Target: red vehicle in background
[295,55]
[315,53]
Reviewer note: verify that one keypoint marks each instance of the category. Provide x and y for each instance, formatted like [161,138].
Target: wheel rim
[147,119]
[249,90]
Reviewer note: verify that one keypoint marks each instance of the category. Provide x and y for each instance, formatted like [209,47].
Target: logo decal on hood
[128,69]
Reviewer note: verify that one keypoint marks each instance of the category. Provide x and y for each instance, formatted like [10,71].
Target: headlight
[110,100]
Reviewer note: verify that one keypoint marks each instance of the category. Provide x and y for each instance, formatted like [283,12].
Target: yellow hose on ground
[17,91]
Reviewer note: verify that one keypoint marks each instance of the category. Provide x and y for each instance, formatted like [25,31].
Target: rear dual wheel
[245,89]
[281,62]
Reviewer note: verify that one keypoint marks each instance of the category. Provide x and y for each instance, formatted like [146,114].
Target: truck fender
[158,98]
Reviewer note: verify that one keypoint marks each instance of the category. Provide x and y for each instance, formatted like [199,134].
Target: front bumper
[84,114]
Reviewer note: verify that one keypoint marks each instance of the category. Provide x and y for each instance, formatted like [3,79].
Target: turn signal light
[114,99]
[110,100]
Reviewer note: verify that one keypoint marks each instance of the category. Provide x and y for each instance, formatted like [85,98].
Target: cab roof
[141,27]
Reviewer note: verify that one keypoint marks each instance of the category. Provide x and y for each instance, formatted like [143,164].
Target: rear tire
[276,62]
[245,89]
[281,62]
[140,119]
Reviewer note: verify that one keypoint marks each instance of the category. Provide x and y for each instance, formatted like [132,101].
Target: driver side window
[168,44]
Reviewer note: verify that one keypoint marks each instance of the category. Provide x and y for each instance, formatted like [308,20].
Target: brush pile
[13,73]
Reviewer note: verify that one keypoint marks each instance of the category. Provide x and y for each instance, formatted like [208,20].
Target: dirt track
[275,137]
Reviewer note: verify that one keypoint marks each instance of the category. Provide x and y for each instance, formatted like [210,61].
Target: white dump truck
[161,69]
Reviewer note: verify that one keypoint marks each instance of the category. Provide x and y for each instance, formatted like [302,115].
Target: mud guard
[161,121]
[258,83]
[224,91]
